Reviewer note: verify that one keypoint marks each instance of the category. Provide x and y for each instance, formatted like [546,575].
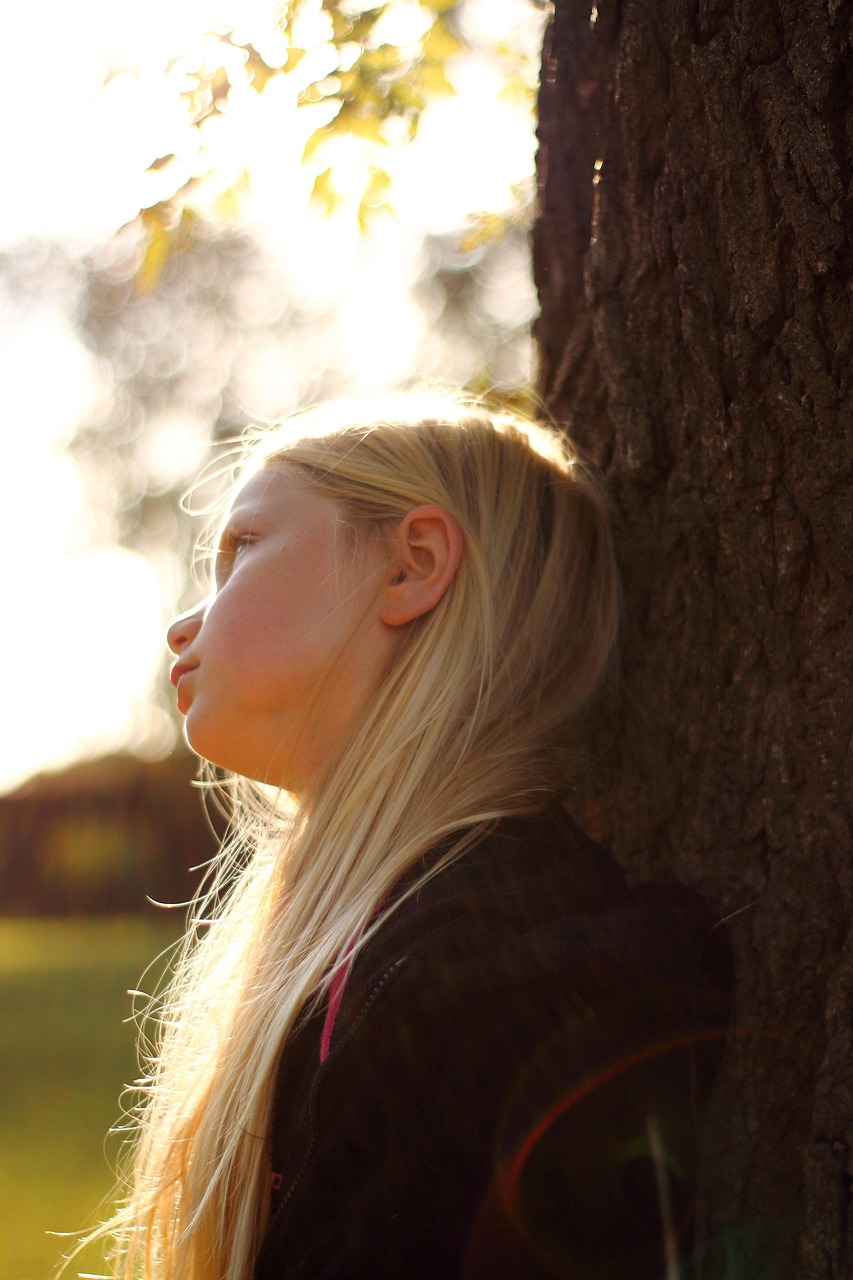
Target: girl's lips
[178,677]
[179,670]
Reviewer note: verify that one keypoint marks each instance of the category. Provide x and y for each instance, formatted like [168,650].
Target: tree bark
[693,259]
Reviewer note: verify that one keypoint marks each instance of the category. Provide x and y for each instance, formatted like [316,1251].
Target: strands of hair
[476,718]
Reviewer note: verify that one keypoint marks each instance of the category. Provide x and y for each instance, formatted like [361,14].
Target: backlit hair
[475,718]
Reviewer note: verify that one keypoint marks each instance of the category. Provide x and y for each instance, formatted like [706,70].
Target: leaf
[324,193]
[406,93]
[348,83]
[374,198]
[186,231]
[367,127]
[440,43]
[434,81]
[380,61]
[378,94]
[160,163]
[286,11]
[156,223]
[260,72]
[294,57]
[220,87]
[483,229]
[362,27]
[517,90]
[341,26]
[316,140]
[229,201]
[377,189]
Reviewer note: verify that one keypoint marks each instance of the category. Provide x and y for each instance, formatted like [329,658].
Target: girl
[428,1030]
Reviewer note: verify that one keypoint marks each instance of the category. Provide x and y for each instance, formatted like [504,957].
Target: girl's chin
[231,762]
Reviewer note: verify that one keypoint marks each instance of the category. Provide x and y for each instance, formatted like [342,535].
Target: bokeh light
[110,396]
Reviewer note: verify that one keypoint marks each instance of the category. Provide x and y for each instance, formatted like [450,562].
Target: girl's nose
[184,629]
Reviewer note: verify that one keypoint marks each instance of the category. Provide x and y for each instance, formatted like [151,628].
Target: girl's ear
[427,548]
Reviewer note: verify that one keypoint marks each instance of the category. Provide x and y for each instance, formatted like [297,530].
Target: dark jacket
[513,1079]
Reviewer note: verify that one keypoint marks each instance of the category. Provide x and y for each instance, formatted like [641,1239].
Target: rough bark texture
[693,257]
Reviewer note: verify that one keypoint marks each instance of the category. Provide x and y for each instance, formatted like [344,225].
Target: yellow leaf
[316,140]
[157,248]
[286,11]
[440,42]
[341,26]
[362,27]
[220,87]
[367,127]
[484,228]
[516,90]
[229,202]
[348,82]
[260,74]
[323,191]
[294,57]
[378,187]
[373,200]
[184,234]
[160,163]
[382,60]
[406,93]
[434,81]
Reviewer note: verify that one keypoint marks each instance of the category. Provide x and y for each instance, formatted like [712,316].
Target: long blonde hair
[476,718]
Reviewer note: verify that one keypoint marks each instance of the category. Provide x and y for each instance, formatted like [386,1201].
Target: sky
[87,104]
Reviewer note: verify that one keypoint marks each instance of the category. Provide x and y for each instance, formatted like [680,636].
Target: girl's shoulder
[523,875]
[515,875]
[536,912]
[518,1016]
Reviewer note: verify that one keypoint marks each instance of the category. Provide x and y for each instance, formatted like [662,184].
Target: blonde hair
[476,718]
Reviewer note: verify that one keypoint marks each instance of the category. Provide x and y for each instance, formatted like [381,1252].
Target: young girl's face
[274,668]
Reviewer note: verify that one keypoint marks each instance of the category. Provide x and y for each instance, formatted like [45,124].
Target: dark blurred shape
[104,836]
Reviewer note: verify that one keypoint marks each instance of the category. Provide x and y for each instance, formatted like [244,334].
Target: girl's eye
[230,550]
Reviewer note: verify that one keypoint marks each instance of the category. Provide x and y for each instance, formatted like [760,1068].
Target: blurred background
[215,212]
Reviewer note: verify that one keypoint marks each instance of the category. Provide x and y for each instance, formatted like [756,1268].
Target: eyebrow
[240,520]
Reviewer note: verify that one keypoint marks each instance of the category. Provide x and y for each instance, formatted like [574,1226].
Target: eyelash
[230,548]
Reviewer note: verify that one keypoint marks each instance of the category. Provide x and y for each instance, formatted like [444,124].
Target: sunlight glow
[79,682]
[82,638]
[85,641]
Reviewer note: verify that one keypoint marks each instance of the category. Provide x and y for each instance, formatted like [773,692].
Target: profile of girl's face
[274,668]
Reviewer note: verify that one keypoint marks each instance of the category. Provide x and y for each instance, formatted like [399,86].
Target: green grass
[66,1050]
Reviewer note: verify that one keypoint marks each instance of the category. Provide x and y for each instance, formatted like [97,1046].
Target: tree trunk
[693,259]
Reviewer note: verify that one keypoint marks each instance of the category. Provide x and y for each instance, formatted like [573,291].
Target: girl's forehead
[271,487]
[279,496]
